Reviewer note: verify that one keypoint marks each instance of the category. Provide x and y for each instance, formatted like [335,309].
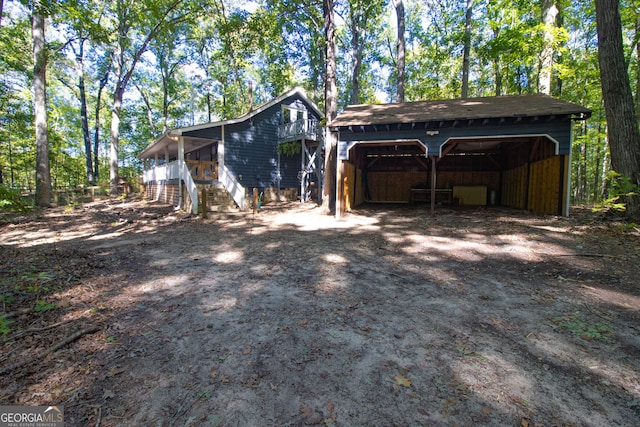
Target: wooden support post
[255,200]
[433,184]
[340,189]
[203,203]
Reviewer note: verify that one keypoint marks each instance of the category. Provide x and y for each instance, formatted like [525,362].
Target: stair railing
[231,184]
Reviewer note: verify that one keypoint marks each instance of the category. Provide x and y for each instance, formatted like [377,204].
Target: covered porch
[176,165]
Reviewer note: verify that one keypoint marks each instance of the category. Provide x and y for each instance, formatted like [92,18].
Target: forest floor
[127,313]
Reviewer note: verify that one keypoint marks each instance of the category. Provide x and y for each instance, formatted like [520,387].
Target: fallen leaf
[214,372]
[315,420]
[115,371]
[329,422]
[330,406]
[403,381]
[306,411]
[486,411]
[247,351]
[450,402]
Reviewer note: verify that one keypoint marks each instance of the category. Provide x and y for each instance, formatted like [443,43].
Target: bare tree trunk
[623,133]
[637,100]
[1,9]
[466,49]
[400,49]
[83,112]
[596,175]
[497,70]
[43,173]
[330,110]
[96,132]
[356,54]
[115,138]
[606,167]
[549,13]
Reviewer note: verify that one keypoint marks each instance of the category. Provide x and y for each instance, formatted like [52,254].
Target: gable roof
[171,136]
[458,109]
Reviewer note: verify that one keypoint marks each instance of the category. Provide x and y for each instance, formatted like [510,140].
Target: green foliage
[621,188]
[43,306]
[12,201]
[203,54]
[586,331]
[290,148]
[4,326]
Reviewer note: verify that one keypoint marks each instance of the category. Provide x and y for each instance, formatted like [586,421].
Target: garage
[512,151]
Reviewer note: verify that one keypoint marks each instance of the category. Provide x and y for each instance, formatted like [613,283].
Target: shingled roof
[458,109]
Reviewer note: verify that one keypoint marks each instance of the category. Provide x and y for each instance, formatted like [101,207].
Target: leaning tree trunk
[623,133]
[330,110]
[43,173]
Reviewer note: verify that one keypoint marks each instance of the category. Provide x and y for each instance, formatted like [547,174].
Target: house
[225,160]
[512,151]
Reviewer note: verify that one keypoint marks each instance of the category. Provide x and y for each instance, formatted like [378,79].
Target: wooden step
[218,198]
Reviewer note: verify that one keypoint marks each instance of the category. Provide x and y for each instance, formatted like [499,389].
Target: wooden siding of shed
[392,186]
[514,187]
[538,186]
[545,185]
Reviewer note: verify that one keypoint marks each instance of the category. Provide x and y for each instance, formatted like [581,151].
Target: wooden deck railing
[303,128]
[203,171]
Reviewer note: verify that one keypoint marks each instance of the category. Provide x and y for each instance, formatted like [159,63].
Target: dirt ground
[130,314]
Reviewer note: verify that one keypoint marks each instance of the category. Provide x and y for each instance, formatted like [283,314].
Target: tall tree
[623,133]
[130,44]
[43,174]
[330,108]
[466,51]
[400,51]
[549,14]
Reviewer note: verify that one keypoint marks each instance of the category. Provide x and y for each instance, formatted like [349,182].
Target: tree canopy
[119,73]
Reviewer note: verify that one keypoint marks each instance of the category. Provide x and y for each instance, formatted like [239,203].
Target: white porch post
[181,165]
[221,151]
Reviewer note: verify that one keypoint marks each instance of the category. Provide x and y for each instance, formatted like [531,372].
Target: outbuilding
[512,151]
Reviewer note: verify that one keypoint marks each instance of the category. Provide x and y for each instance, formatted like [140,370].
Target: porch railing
[303,128]
[203,171]
[174,170]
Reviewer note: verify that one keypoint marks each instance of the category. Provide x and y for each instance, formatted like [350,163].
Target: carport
[512,151]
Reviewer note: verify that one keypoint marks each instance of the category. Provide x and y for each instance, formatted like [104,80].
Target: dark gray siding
[251,148]
[558,130]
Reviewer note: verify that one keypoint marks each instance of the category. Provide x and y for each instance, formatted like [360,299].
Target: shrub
[11,201]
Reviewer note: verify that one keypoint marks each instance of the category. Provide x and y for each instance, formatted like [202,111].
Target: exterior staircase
[218,198]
